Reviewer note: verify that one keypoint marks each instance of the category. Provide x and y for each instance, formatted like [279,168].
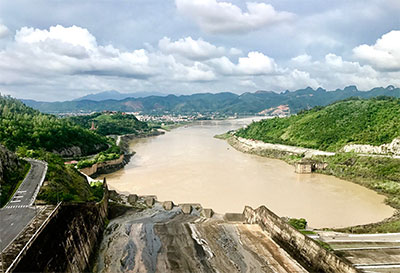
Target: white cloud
[384,54]
[68,51]
[191,49]
[302,59]
[255,63]
[3,31]
[75,36]
[196,73]
[225,17]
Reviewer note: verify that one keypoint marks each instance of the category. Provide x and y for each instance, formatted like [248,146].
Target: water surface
[189,165]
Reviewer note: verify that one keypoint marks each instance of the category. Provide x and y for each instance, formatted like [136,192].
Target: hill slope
[226,103]
[111,123]
[112,94]
[22,126]
[373,121]
[12,171]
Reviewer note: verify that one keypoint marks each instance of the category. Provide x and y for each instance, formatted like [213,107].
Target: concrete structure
[309,253]
[132,199]
[186,208]
[208,213]
[303,167]
[103,167]
[149,201]
[19,211]
[168,205]
[64,242]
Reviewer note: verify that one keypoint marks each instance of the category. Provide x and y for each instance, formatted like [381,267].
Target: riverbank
[110,166]
[376,173]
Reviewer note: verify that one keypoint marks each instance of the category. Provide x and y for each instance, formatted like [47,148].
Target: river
[188,165]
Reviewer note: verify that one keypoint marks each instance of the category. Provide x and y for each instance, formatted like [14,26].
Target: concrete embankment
[65,241]
[272,150]
[305,250]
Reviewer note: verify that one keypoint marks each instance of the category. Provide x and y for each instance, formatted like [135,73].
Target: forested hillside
[12,171]
[22,126]
[111,123]
[373,121]
[224,103]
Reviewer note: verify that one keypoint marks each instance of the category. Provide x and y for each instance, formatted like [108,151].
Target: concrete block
[208,213]
[132,199]
[186,208]
[168,205]
[149,201]
[234,217]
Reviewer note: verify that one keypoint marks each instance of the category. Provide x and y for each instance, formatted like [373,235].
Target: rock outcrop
[392,148]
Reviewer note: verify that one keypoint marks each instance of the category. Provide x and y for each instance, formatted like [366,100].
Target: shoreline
[292,156]
[112,166]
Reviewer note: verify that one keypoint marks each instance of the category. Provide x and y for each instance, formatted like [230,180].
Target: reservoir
[189,165]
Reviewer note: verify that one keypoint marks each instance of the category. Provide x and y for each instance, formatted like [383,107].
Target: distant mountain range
[225,103]
[115,95]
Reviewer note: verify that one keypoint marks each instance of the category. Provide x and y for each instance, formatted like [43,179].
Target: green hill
[223,103]
[111,123]
[362,121]
[12,172]
[22,126]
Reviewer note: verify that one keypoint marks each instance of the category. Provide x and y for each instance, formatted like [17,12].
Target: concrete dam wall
[305,250]
[66,244]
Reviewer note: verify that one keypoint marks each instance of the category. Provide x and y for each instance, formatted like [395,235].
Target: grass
[388,226]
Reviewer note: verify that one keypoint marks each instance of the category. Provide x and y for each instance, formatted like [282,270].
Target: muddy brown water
[189,165]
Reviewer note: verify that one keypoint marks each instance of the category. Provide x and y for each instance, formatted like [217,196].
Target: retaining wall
[305,250]
[103,166]
[67,242]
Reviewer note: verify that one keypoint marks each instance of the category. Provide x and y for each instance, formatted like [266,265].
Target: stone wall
[68,241]
[305,250]
[104,167]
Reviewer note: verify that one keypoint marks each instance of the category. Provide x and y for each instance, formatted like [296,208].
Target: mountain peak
[115,95]
[350,88]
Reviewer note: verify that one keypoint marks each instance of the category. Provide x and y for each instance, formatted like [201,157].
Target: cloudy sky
[59,50]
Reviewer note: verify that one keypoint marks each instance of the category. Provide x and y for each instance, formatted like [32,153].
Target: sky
[59,50]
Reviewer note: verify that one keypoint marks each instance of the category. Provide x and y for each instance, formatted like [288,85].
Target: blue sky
[60,50]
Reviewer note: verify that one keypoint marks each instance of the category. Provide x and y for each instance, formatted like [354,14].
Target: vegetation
[391,226]
[114,152]
[62,182]
[22,126]
[298,224]
[111,123]
[381,174]
[12,173]
[221,103]
[375,121]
